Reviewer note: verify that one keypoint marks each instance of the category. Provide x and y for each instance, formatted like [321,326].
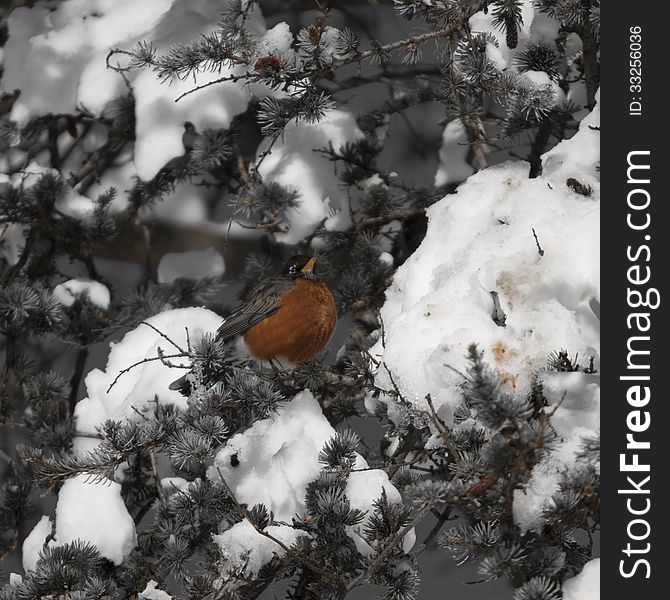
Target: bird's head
[301,266]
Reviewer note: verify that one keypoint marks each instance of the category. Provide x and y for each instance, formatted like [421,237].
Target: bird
[189,136]
[287,319]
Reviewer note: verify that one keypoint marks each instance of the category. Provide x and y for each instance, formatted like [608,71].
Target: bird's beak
[309,267]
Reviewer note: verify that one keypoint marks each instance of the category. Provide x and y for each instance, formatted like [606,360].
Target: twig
[140,362]
[159,486]
[455,370]
[441,520]
[274,226]
[443,429]
[159,332]
[557,405]
[439,422]
[537,242]
[521,463]
[395,386]
[233,78]
[80,364]
[118,68]
[538,147]
[399,215]
[589,61]
[92,436]
[137,412]
[143,511]
[264,154]
[188,339]
[388,75]
[498,315]
[167,363]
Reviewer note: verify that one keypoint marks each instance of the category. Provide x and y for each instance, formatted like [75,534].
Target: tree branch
[382,556]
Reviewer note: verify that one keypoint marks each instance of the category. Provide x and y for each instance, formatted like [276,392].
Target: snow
[277,41]
[160,119]
[294,163]
[452,167]
[577,418]
[66,293]
[482,22]
[151,592]
[174,484]
[193,264]
[62,50]
[363,488]
[34,542]
[278,457]
[90,511]
[586,585]
[138,388]
[535,27]
[244,548]
[184,206]
[481,240]
[12,240]
[560,162]
[75,205]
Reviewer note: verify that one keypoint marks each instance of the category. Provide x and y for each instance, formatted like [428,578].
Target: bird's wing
[263,302]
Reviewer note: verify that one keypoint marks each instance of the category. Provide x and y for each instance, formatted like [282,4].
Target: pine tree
[471,468]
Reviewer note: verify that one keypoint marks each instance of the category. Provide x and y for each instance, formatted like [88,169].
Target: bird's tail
[182,385]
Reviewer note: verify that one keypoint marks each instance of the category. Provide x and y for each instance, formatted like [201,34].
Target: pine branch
[443,430]
[410,41]
[384,554]
[79,366]
[300,559]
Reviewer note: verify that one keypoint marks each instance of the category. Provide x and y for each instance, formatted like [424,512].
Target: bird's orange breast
[301,327]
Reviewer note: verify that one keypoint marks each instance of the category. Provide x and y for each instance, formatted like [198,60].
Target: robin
[288,319]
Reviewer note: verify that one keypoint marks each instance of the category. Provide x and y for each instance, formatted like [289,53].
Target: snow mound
[34,542]
[151,592]
[482,240]
[193,264]
[66,293]
[95,512]
[139,386]
[586,585]
[277,41]
[87,510]
[276,458]
[363,488]
[244,548]
[452,165]
[294,163]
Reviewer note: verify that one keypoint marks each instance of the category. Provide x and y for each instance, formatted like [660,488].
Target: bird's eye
[292,269]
